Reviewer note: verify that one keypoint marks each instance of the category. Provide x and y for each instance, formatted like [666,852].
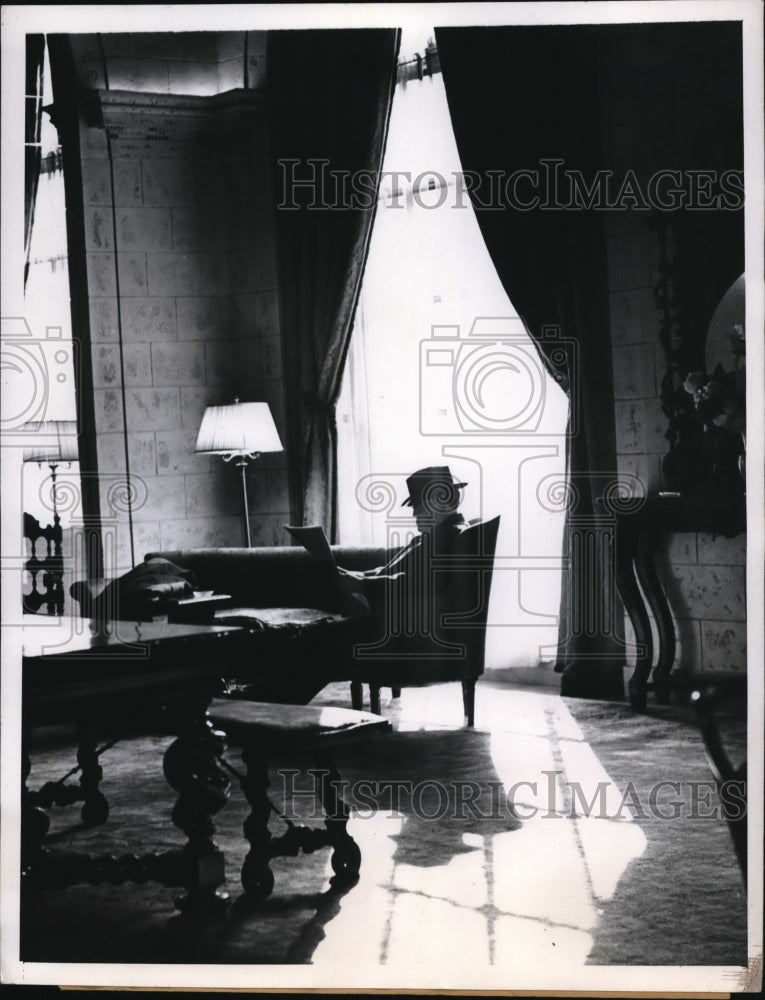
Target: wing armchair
[448,644]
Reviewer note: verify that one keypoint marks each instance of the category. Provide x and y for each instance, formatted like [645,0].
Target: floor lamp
[52,442]
[242,431]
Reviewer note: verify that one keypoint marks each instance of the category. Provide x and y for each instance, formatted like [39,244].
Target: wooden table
[638,525]
[107,680]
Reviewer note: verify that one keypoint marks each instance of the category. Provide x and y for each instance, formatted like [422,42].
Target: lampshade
[238,429]
[51,441]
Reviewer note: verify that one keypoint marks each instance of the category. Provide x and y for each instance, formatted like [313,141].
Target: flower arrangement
[708,455]
[720,400]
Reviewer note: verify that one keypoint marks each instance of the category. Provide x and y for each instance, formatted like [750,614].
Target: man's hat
[433,480]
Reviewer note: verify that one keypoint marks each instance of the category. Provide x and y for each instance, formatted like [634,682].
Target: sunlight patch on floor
[358,932]
[533,944]
[436,707]
[530,894]
[594,789]
[609,846]
[462,881]
[527,768]
[433,932]
[608,836]
[539,872]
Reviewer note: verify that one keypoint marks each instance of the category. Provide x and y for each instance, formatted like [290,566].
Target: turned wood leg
[357,696]
[635,608]
[645,566]
[257,877]
[346,856]
[374,699]
[191,767]
[95,808]
[468,701]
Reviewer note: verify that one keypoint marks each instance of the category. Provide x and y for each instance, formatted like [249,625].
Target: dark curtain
[521,98]
[33,100]
[330,93]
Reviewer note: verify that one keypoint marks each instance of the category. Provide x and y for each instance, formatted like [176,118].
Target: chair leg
[468,701]
[357,696]
[374,699]
[395,692]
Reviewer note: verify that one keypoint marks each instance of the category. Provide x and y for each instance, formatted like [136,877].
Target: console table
[638,525]
[105,681]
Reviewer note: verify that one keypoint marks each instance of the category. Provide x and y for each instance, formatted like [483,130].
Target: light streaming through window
[413,374]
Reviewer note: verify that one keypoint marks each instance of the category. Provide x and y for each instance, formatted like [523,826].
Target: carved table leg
[257,877]
[95,808]
[636,609]
[346,856]
[191,767]
[649,580]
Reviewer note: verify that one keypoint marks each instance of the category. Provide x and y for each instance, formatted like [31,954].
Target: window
[48,313]
[428,279]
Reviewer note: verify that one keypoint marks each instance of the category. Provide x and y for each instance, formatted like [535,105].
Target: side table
[106,679]
[637,528]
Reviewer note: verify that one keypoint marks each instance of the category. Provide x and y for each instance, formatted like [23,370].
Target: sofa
[271,577]
[301,634]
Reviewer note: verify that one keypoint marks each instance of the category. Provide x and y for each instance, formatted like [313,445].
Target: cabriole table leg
[632,599]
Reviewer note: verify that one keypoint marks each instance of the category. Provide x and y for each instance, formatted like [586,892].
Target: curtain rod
[419,66]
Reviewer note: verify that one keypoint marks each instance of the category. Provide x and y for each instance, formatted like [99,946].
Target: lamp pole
[56,519]
[56,561]
[242,463]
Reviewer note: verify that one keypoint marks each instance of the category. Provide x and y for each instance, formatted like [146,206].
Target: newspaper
[314,539]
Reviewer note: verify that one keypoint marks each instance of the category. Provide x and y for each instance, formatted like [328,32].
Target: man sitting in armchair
[426,606]
[404,595]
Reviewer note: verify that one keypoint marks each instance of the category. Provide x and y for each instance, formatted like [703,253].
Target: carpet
[451,865]
[415,779]
[684,901]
